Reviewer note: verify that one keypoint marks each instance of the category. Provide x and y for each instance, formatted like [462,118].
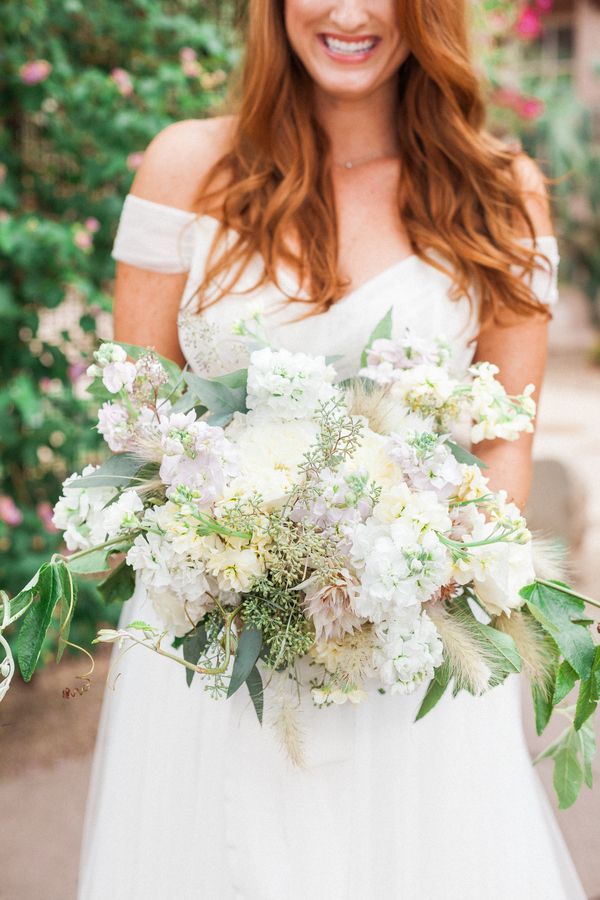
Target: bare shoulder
[532,184]
[179,157]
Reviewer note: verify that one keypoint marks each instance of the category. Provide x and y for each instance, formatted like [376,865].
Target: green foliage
[83,90]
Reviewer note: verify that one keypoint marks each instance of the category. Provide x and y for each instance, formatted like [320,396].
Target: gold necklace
[351,163]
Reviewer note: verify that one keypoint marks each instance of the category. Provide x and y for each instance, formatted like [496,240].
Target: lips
[346,47]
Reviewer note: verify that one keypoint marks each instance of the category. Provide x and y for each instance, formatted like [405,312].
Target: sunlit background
[83,89]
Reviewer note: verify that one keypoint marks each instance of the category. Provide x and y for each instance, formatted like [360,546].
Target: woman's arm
[520,352]
[146,303]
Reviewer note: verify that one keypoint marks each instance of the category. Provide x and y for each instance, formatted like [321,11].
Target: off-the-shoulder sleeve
[155,236]
[544,281]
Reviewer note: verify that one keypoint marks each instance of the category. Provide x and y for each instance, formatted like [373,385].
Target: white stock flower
[498,571]
[408,653]
[122,514]
[174,575]
[399,566]
[288,385]
[80,512]
[114,426]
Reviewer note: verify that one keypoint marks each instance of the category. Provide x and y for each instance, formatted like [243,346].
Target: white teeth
[348,46]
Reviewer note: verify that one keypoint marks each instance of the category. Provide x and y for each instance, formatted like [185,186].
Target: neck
[359,127]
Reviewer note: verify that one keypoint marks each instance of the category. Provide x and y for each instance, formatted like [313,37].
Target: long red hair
[458,194]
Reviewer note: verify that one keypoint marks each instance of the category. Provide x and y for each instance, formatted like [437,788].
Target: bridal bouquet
[277,515]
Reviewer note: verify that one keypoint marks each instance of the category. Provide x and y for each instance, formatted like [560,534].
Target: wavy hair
[459,197]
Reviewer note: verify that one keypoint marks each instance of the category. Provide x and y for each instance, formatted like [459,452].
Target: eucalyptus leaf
[435,691]
[194,644]
[120,470]
[465,456]
[383,329]
[555,611]
[218,397]
[255,689]
[246,655]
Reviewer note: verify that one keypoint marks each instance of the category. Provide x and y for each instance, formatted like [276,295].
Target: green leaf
[194,644]
[120,470]
[506,652]
[220,398]
[589,694]
[37,620]
[246,655]
[435,691]
[256,691]
[555,611]
[25,597]
[542,704]
[383,329]
[568,773]
[565,681]
[465,456]
[119,585]
[587,741]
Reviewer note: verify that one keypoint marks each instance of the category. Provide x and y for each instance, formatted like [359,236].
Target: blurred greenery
[83,90]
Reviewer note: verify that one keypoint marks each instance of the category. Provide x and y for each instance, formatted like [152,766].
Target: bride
[356,176]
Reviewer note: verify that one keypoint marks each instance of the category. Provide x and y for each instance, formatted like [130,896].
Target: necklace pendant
[348,165]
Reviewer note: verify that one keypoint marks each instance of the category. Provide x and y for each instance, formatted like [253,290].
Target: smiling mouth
[349,47]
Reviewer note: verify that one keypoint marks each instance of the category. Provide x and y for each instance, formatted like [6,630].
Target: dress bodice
[170,240]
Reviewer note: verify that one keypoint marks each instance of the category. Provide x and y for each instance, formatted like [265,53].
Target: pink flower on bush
[9,511]
[45,513]
[544,5]
[34,71]
[76,370]
[92,224]
[189,62]
[123,81]
[529,23]
[83,239]
[134,160]
[529,108]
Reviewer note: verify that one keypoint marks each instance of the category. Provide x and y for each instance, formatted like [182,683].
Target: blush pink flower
[330,607]
[92,224]
[9,511]
[544,5]
[35,71]
[123,81]
[529,23]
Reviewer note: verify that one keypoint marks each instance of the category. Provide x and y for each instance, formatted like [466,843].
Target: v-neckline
[292,280]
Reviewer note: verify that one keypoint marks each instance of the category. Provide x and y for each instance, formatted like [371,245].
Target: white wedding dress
[191,799]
